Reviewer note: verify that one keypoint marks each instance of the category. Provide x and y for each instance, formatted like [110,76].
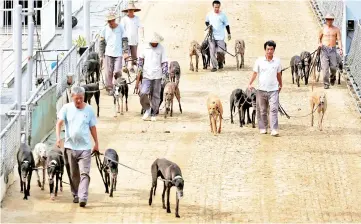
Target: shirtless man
[327,40]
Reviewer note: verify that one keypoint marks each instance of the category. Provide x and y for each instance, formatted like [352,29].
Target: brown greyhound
[319,100]
[239,49]
[215,111]
[194,50]
[171,90]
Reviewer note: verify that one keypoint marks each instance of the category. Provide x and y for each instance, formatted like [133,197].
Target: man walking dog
[132,26]
[268,68]
[80,122]
[218,20]
[113,44]
[327,41]
[153,65]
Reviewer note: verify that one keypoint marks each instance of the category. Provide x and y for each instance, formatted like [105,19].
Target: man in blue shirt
[218,20]
[80,121]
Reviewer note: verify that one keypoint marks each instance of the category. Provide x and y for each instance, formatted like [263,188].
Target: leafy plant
[80,42]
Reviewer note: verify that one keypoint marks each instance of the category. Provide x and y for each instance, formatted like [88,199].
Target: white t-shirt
[267,73]
[219,21]
[113,39]
[153,59]
[131,27]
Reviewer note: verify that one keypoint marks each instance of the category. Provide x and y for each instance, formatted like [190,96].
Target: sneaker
[153,118]
[263,131]
[274,133]
[82,204]
[146,114]
[326,86]
[76,199]
[213,70]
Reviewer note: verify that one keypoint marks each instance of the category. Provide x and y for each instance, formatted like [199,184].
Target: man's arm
[253,77]
[227,26]
[59,124]
[207,20]
[102,44]
[339,40]
[93,131]
[279,78]
[320,37]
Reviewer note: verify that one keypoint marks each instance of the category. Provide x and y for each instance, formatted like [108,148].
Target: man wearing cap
[153,65]
[113,44]
[132,25]
[218,20]
[329,34]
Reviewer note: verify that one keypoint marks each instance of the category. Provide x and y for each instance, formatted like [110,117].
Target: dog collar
[25,161]
[177,177]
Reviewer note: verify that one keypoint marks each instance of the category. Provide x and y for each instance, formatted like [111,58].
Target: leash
[98,153]
[310,56]
[298,116]
[42,168]
[210,35]
[100,166]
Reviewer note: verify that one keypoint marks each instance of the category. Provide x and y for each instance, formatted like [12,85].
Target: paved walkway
[239,176]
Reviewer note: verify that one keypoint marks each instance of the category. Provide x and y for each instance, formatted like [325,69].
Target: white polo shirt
[267,73]
[153,59]
[131,27]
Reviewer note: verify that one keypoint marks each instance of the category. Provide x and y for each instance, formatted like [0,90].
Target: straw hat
[156,38]
[131,6]
[330,16]
[111,16]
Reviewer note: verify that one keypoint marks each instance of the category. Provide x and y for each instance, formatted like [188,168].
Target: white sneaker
[153,118]
[146,114]
[274,133]
[262,131]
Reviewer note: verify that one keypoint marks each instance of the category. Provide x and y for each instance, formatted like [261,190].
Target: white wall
[76,5]
[2,6]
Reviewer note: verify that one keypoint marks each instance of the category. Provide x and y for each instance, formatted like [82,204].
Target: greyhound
[250,101]
[194,50]
[40,154]
[239,49]
[26,164]
[206,54]
[55,167]
[320,101]
[306,59]
[172,176]
[215,112]
[120,90]
[296,68]
[110,167]
[174,72]
[235,102]
[90,90]
[171,90]
[90,67]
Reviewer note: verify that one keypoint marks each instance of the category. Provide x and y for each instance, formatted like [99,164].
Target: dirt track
[239,176]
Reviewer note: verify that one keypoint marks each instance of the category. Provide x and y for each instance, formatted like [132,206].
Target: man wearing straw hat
[154,66]
[132,25]
[113,44]
[329,34]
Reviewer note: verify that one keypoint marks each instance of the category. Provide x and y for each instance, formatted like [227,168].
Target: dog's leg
[106,182]
[171,107]
[293,79]
[126,99]
[242,60]
[42,187]
[122,105]
[210,123]
[241,115]
[21,181]
[38,176]
[168,203]
[254,118]
[97,96]
[298,78]
[177,207]
[25,190]
[115,106]
[339,77]
[163,194]
[215,130]
[220,124]
[320,120]
[178,98]
[61,181]
[197,60]
[248,117]
[56,184]
[312,107]
[151,195]
[29,181]
[191,64]
[111,187]
[237,61]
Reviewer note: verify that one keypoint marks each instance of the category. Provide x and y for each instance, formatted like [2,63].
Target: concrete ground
[305,175]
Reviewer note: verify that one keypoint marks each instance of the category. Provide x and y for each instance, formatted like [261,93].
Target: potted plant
[80,43]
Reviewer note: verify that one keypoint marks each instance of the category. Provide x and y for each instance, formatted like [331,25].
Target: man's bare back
[329,35]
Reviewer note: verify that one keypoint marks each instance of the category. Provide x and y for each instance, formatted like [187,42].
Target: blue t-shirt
[77,126]
[114,40]
[219,21]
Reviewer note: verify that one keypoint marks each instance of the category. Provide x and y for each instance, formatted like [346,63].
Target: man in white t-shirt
[154,66]
[113,44]
[218,20]
[132,26]
[268,68]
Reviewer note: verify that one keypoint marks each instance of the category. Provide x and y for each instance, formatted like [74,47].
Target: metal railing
[10,143]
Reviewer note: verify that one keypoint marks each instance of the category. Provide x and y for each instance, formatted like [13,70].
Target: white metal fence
[10,143]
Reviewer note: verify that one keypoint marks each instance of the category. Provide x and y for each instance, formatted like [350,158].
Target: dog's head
[196,48]
[168,95]
[111,167]
[322,99]
[213,109]
[52,169]
[41,149]
[25,169]
[178,182]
